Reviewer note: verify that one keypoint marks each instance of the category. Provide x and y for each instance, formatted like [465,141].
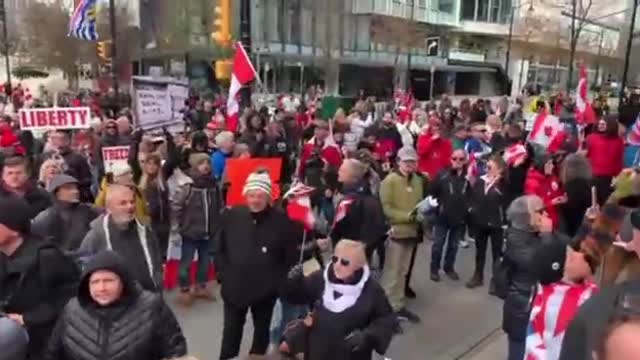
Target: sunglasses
[541,211]
[341,261]
[481,130]
[458,159]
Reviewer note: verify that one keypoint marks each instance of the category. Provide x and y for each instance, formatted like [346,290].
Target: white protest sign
[113,155]
[158,101]
[55,118]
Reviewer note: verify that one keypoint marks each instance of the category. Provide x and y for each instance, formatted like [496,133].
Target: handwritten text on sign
[113,155]
[55,118]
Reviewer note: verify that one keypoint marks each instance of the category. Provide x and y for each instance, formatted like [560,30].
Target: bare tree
[401,33]
[47,41]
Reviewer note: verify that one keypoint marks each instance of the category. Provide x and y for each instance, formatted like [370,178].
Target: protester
[256,246]
[122,174]
[225,144]
[488,209]
[67,220]
[49,169]
[110,137]
[400,192]
[36,278]
[195,212]
[359,214]
[434,150]
[389,140]
[16,183]
[576,177]
[14,340]
[317,151]
[121,231]
[477,146]
[564,277]
[351,316]
[112,317]
[618,342]
[542,181]
[530,226]
[452,191]
[605,151]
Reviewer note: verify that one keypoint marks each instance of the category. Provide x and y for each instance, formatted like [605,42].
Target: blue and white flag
[83,21]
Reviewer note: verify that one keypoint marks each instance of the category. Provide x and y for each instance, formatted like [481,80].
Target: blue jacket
[218,162]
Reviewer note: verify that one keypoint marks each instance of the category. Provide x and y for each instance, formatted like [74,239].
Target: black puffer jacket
[453,192]
[37,198]
[488,205]
[521,245]
[139,325]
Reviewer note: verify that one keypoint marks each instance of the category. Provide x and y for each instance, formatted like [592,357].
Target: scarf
[350,293]
[142,235]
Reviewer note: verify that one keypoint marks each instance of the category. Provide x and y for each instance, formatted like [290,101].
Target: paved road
[455,321]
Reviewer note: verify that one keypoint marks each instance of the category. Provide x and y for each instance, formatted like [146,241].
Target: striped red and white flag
[299,205]
[584,111]
[514,154]
[242,74]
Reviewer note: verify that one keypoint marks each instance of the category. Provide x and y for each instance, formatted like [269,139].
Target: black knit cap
[15,214]
[548,261]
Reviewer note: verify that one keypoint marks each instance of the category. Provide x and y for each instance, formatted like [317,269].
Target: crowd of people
[84,246]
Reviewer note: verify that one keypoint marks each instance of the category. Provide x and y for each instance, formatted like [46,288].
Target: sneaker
[464,244]
[435,277]
[406,315]
[409,293]
[453,275]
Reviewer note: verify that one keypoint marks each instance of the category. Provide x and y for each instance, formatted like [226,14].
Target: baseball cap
[407,153]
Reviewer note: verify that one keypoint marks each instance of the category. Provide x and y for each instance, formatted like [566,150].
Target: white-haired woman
[530,226]
[49,169]
[351,315]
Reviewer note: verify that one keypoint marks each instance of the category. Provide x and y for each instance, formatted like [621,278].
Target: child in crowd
[565,283]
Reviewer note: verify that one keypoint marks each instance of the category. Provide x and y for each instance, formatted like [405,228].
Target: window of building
[494,11]
[422,4]
[271,20]
[468,10]
[483,10]
[363,36]
[446,6]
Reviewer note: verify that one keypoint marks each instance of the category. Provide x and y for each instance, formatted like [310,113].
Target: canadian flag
[299,205]
[472,168]
[584,111]
[242,73]
[545,129]
[514,154]
[341,210]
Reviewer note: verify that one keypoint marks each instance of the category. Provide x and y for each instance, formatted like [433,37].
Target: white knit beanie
[258,181]
[119,169]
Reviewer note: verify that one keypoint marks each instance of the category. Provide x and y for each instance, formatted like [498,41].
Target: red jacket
[545,187]
[330,153]
[433,155]
[605,154]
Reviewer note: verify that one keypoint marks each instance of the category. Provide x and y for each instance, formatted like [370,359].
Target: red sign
[238,170]
[114,154]
[55,118]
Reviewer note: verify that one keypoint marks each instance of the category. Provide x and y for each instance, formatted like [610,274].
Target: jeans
[233,326]
[516,349]
[288,313]
[189,248]
[449,236]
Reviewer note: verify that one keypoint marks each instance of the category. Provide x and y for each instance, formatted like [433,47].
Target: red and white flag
[472,168]
[341,210]
[299,205]
[243,73]
[514,154]
[584,111]
[545,128]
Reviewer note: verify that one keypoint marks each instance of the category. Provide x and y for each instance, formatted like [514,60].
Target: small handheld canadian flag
[243,73]
[299,205]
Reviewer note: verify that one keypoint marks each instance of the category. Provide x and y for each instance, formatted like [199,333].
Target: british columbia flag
[553,308]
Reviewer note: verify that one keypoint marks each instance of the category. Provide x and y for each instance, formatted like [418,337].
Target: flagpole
[304,240]
[112,25]
[5,39]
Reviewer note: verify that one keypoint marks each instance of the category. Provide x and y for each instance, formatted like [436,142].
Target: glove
[624,184]
[295,273]
[357,340]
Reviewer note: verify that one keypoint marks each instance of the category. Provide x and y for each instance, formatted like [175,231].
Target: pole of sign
[112,26]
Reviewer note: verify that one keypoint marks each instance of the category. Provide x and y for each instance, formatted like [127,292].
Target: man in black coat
[15,183]
[255,247]
[67,220]
[36,279]
[113,318]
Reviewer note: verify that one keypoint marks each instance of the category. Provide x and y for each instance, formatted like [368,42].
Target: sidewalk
[494,348]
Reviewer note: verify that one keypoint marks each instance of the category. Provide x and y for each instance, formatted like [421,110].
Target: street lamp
[508,56]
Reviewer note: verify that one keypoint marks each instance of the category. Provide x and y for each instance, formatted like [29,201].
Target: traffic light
[222,22]
[103,49]
[223,69]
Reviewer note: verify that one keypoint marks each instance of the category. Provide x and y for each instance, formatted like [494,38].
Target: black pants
[234,319]
[603,187]
[407,281]
[483,236]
